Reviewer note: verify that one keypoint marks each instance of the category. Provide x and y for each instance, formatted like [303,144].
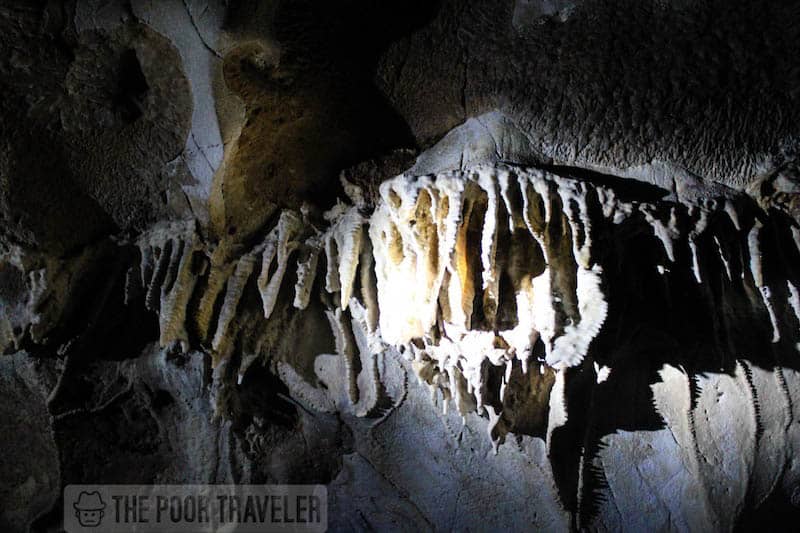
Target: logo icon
[89,509]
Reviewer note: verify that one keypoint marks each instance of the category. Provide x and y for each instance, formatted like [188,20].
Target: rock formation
[519,264]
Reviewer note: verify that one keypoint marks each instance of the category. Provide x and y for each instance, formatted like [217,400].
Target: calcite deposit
[469,264]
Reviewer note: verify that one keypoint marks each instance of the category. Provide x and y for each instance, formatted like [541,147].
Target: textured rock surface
[30,467]
[470,264]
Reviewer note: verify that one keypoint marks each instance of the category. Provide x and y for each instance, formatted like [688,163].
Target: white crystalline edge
[174,294]
[700,225]
[315,398]
[558,405]
[730,209]
[418,251]
[345,348]
[172,318]
[571,347]
[602,372]
[695,260]
[396,320]
[233,294]
[408,314]
[459,303]
[573,192]
[503,179]
[373,343]
[662,232]
[794,299]
[526,205]
[725,262]
[282,246]
[306,274]
[524,335]
[756,269]
[347,233]
[173,303]
[368,346]
[331,262]
[488,183]
[766,295]
[453,191]
[753,246]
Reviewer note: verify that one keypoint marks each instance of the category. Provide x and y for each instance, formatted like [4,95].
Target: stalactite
[464,272]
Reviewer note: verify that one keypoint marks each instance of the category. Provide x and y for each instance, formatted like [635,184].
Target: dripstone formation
[520,264]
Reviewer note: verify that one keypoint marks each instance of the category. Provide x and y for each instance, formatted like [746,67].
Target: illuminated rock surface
[523,264]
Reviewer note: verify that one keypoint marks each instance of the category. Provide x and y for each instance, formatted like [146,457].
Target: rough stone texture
[709,86]
[30,467]
[189,293]
[95,116]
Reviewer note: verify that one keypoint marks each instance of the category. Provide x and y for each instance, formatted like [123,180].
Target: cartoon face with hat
[89,509]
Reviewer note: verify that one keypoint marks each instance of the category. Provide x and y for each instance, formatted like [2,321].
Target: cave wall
[527,263]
